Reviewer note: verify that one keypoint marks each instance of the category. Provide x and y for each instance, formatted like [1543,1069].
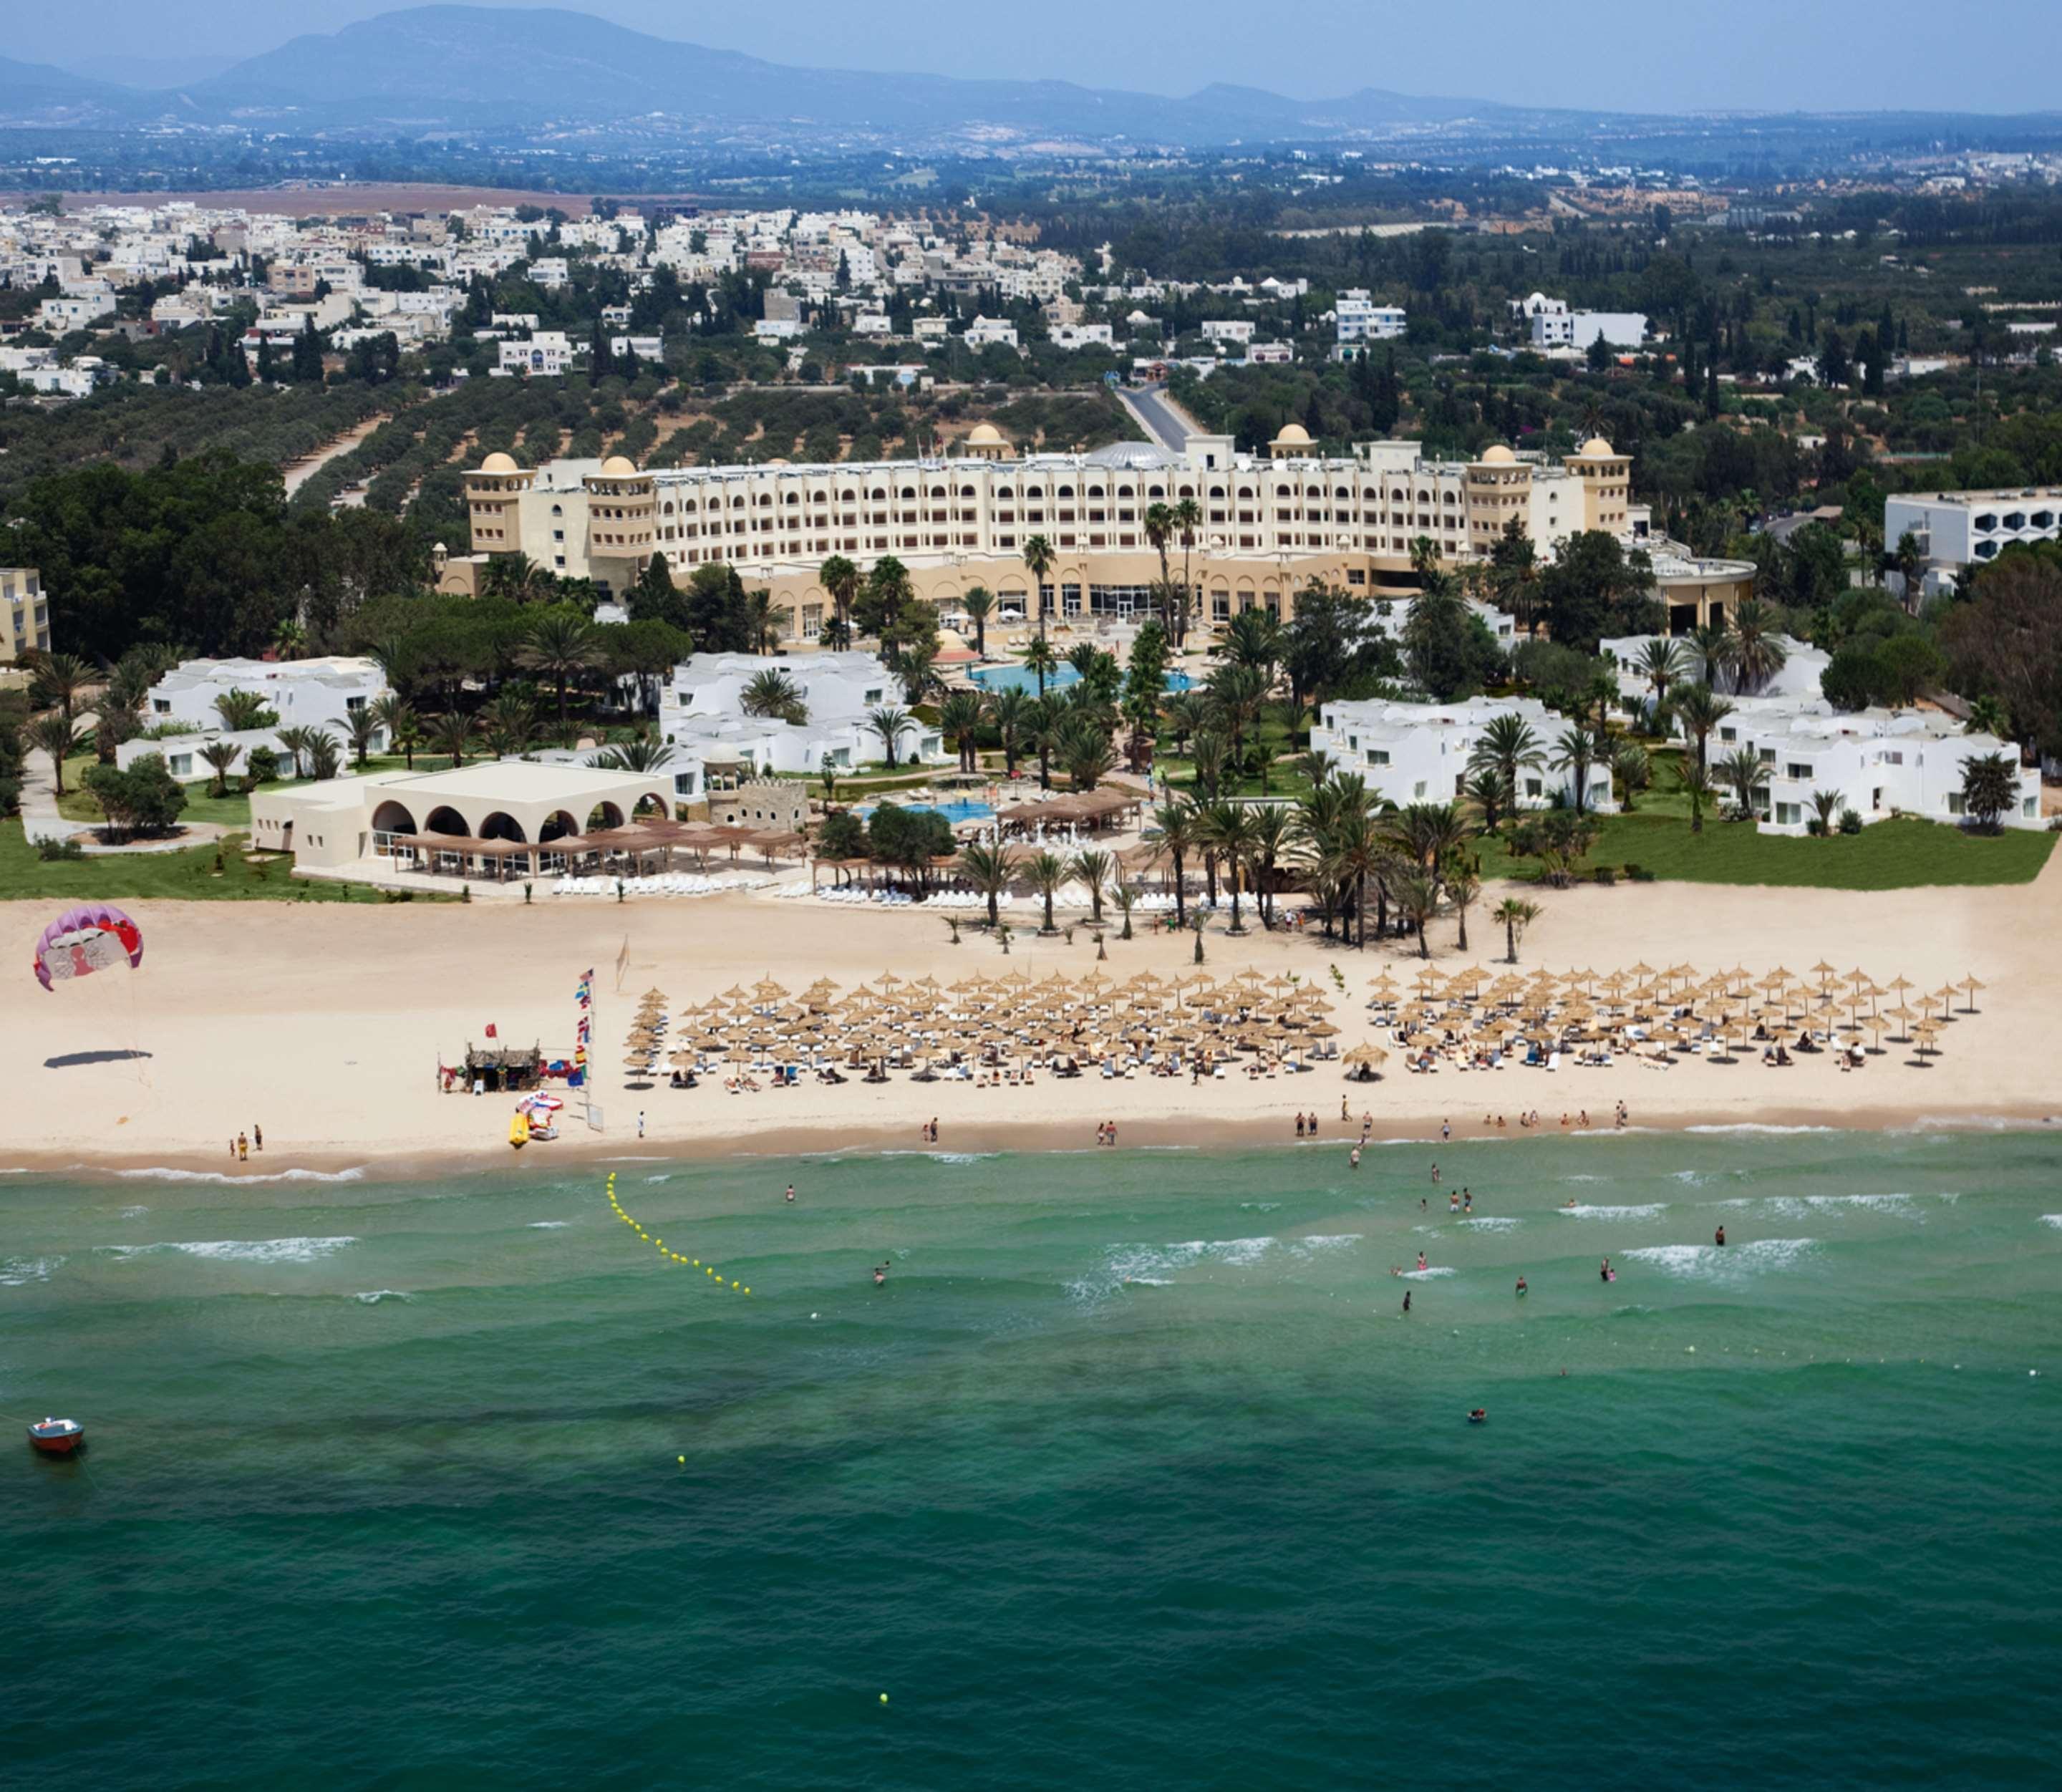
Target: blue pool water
[1020,678]
[960,809]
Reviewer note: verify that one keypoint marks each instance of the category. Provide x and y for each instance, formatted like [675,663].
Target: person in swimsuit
[1521,1288]
[1721,1237]
[1406,1300]
[1604,1273]
[791,1192]
[880,1274]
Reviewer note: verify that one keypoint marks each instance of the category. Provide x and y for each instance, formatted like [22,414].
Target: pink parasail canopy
[95,937]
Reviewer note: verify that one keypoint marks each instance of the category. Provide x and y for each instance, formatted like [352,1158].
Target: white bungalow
[1420,752]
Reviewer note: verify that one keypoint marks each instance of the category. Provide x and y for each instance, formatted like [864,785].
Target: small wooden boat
[57,1437]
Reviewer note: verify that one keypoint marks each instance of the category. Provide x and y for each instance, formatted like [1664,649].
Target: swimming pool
[960,809]
[1022,678]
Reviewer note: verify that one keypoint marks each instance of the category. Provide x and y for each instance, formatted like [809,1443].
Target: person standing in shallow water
[1406,1300]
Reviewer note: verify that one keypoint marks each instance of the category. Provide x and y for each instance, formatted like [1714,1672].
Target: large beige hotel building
[1270,527]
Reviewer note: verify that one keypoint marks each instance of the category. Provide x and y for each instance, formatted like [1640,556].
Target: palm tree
[1039,660]
[1041,728]
[1990,789]
[561,645]
[1010,710]
[404,731]
[290,640]
[1273,830]
[1513,914]
[60,737]
[1506,746]
[1417,894]
[1986,716]
[1578,749]
[1464,881]
[1758,655]
[959,717]
[1188,519]
[220,755]
[773,693]
[633,755]
[1428,832]
[1206,759]
[324,762]
[1346,837]
[361,725]
[452,733]
[889,723]
[979,603]
[1124,902]
[1159,524]
[117,717]
[1700,709]
[986,868]
[1744,772]
[1085,751]
[760,620]
[1695,782]
[842,579]
[1719,651]
[58,680]
[1094,868]
[1487,791]
[1660,663]
[1912,569]
[1038,561]
[1239,692]
[242,710]
[298,743]
[509,724]
[1183,714]
[1180,834]
[1048,873]
[1825,810]
[1229,830]
[1634,770]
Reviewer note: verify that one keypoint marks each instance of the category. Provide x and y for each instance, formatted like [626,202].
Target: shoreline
[978,1137]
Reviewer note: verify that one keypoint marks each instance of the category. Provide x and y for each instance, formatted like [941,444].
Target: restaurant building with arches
[490,822]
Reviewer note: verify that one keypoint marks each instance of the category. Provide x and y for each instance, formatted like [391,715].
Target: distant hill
[31,90]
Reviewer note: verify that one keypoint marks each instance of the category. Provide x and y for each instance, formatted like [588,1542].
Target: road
[1161,419]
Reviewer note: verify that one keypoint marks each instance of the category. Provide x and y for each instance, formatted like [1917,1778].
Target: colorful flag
[491,1032]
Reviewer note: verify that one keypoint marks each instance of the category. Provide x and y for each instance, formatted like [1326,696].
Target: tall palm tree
[1038,561]
[889,722]
[1188,519]
[1660,663]
[979,604]
[1700,709]
[60,737]
[1180,834]
[1273,831]
[57,680]
[1206,759]
[774,694]
[1744,771]
[758,618]
[509,724]
[1010,710]
[1428,832]
[1695,782]
[1758,655]
[1039,660]
[1578,749]
[1718,649]
[298,743]
[986,868]
[1463,880]
[1094,868]
[1229,829]
[1506,746]
[221,756]
[1417,894]
[959,717]
[1159,525]
[289,639]
[1514,915]
[561,645]
[1043,723]
[452,733]
[359,726]
[1084,750]
[1048,873]
[842,579]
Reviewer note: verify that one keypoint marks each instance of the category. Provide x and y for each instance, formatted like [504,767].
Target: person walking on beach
[1346,1113]
[258,1135]
[640,1123]
[244,1148]
[1446,1130]
[1299,1123]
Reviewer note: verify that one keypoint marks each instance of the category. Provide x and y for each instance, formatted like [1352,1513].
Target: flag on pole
[491,1032]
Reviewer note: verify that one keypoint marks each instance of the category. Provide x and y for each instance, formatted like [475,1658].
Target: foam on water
[373,1296]
[1638,1210]
[1758,1126]
[1313,1244]
[1719,1260]
[17,1271]
[1434,1272]
[2054,1220]
[165,1174]
[238,1250]
[549,1225]
[1493,1222]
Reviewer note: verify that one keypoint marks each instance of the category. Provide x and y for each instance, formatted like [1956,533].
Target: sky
[1818,55]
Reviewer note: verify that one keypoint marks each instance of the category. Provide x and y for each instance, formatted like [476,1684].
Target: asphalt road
[1152,407]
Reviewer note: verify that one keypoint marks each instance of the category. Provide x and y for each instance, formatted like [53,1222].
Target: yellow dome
[500,463]
[1597,448]
[1497,456]
[618,467]
[985,435]
[1293,435]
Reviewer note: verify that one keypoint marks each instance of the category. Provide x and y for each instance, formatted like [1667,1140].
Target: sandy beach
[325,1024]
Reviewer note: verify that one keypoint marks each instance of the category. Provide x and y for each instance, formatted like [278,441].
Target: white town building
[1957,529]
[1420,752]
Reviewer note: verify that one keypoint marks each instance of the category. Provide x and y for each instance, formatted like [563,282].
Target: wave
[549,1225]
[1260,1207]
[1151,1265]
[133,1213]
[664,1175]
[1428,1275]
[239,1250]
[1758,1126]
[163,1175]
[2054,1220]
[15,1272]
[1313,1244]
[943,1157]
[1640,1210]
[373,1296]
[1493,1222]
[1713,1260]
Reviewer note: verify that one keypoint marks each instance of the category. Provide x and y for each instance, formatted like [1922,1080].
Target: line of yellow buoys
[659,1245]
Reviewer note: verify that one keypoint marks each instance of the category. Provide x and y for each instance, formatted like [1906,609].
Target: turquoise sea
[1133,1473]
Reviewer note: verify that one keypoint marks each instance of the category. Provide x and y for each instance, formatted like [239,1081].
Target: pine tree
[600,362]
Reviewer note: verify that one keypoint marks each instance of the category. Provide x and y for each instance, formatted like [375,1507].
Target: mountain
[37,93]
[149,71]
[483,65]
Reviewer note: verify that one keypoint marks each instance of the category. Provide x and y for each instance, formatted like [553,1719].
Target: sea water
[1133,1473]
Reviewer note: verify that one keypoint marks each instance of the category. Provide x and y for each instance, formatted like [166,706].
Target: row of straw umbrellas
[919,1024]
[1675,1007]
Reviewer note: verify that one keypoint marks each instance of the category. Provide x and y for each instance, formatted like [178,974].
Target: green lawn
[188,874]
[232,810]
[1900,854]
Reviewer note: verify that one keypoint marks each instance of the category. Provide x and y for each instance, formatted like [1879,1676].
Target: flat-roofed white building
[1958,529]
[319,693]
[832,687]
[1358,318]
[1881,763]
[1420,752]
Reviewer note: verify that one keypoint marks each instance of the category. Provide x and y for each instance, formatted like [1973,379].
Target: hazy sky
[1831,55]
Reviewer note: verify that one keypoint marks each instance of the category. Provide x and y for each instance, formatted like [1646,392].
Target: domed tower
[1606,477]
[1499,488]
[622,512]
[494,493]
[1293,444]
[985,442]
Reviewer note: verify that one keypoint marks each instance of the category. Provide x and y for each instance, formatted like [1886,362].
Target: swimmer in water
[791,1192]
[1453,1201]
[1421,1260]
[1354,1161]
[880,1274]
[1521,1288]
[1406,1300]
[1721,1237]
[1467,1202]
[1604,1273]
